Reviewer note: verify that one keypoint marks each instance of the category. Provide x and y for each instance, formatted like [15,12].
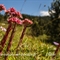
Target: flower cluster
[2,7]
[14,20]
[13,12]
[27,21]
[14,17]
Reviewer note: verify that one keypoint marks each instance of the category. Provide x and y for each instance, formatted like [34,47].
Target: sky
[30,7]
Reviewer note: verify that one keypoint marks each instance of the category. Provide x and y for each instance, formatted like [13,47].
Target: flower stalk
[21,38]
[10,40]
[2,43]
[56,51]
[25,23]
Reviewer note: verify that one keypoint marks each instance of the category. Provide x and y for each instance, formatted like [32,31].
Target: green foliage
[54,29]
[39,26]
[1,17]
[54,10]
[30,44]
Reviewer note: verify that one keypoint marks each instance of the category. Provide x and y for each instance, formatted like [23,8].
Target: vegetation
[37,43]
[54,11]
[30,45]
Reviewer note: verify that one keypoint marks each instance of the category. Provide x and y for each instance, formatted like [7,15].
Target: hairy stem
[56,51]
[21,38]
[2,43]
[10,40]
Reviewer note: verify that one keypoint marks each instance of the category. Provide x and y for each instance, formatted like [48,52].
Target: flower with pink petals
[15,20]
[12,9]
[16,14]
[56,51]
[27,21]
[19,14]
[13,12]
[56,43]
[3,29]
[19,22]
[2,7]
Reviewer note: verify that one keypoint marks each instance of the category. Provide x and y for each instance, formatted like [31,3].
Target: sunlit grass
[30,44]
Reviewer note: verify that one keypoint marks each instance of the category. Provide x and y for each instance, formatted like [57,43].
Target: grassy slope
[30,45]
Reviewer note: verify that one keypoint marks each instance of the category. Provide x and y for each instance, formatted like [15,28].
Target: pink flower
[3,29]
[2,7]
[16,14]
[7,12]
[27,21]
[10,11]
[57,48]
[15,20]
[56,43]
[19,22]
[19,14]
[13,12]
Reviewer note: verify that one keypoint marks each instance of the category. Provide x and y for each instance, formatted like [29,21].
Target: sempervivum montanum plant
[15,21]
[13,18]
[2,7]
[13,12]
[2,42]
[25,23]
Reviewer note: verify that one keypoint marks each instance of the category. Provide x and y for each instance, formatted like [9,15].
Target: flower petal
[56,43]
